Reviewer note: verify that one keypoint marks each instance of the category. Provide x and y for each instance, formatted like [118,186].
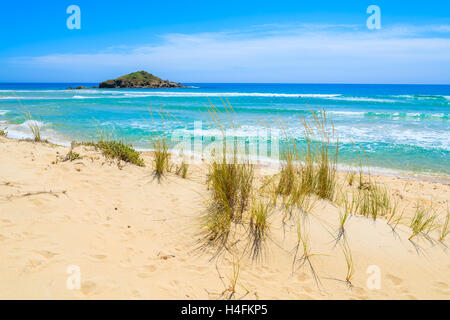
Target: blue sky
[227,41]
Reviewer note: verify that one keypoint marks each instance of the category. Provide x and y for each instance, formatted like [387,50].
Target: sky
[227,41]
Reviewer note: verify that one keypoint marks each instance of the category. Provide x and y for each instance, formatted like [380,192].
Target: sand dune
[135,238]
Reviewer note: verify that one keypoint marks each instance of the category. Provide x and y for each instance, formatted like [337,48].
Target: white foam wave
[227,94]
[141,94]
[363,99]
[347,113]
[22,130]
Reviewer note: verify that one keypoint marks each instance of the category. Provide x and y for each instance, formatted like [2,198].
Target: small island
[139,80]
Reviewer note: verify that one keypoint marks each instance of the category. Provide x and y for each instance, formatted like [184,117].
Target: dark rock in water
[140,80]
[77,88]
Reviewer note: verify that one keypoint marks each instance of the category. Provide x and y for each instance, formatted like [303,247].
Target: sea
[400,128]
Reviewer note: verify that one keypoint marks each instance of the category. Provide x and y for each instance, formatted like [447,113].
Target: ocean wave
[22,130]
[228,94]
[127,94]
[422,97]
[3,112]
[408,115]
[347,113]
[393,115]
[142,94]
[364,99]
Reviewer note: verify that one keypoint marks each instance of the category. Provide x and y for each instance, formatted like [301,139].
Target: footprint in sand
[440,284]
[47,254]
[302,277]
[6,221]
[88,287]
[441,287]
[395,280]
[359,291]
[308,289]
[136,294]
[32,265]
[99,257]
[149,268]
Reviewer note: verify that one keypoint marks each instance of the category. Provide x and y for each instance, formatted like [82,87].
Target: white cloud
[271,53]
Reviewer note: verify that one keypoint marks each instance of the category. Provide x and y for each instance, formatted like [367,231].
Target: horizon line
[324,83]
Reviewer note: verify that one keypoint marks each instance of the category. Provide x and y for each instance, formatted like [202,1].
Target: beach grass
[161,157]
[115,149]
[259,226]
[300,199]
[423,221]
[231,291]
[344,214]
[72,155]
[34,127]
[320,155]
[350,265]
[303,242]
[246,177]
[445,227]
[374,201]
[287,174]
[182,170]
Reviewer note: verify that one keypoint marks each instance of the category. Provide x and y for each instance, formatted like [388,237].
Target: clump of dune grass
[34,127]
[394,218]
[36,131]
[374,201]
[161,157]
[445,227]
[224,182]
[299,199]
[259,226]
[182,170]
[246,176]
[422,222]
[320,155]
[230,186]
[230,181]
[269,188]
[71,155]
[287,173]
[118,150]
[217,226]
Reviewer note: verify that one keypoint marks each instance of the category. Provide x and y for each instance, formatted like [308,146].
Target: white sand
[133,237]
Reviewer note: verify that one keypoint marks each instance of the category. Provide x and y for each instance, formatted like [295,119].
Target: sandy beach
[133,237]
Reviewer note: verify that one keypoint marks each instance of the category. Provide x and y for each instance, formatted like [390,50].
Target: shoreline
[431,177]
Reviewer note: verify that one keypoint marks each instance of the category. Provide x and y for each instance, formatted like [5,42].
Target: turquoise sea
[401,127]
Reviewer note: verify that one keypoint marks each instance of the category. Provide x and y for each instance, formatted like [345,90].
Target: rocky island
[140,80]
